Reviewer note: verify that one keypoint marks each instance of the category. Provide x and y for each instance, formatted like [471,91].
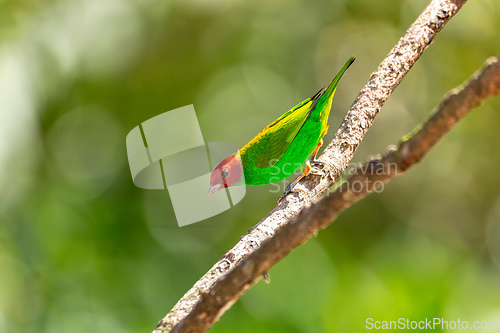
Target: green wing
[271,144]
[275,139]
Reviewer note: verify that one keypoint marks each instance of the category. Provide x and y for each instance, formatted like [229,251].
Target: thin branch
[279,232]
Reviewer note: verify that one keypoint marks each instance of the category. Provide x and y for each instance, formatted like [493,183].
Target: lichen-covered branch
[381,169]
[267,242]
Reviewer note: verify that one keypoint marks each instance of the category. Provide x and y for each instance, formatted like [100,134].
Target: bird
[287,144]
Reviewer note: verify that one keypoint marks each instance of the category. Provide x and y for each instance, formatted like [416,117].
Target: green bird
[283,146]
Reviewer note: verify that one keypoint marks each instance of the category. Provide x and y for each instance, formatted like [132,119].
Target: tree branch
[279,232]
[381,169]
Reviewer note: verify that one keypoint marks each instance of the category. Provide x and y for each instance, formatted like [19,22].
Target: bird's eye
[225,173]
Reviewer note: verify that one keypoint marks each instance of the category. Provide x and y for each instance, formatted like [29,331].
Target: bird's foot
[325,170]
[290,188]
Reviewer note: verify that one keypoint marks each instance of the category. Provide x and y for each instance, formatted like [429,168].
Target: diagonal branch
[394,162]
[268,241]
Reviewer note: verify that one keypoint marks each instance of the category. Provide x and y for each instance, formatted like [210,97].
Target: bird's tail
[333,85]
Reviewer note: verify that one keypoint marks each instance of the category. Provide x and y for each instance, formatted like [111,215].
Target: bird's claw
[289,189]
[313,171]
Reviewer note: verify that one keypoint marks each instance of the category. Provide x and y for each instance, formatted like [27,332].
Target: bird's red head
[227,173]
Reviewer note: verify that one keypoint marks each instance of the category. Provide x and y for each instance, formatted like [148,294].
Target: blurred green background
[82,249]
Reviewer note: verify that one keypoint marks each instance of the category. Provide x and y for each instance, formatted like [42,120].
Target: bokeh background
[82,249]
